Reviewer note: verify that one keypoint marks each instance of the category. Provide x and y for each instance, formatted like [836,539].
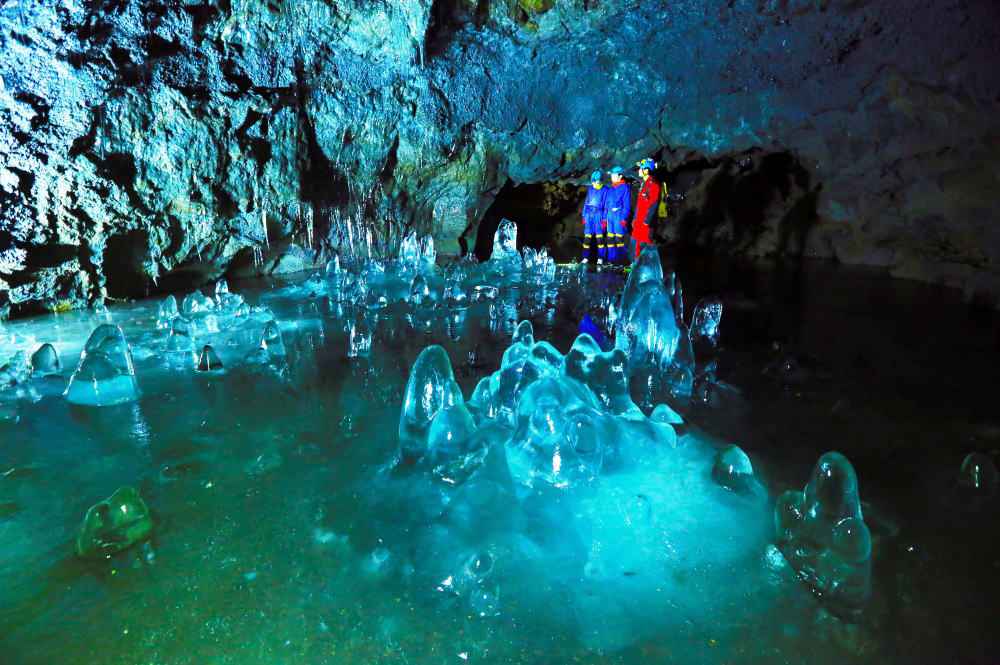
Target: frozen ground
[290,527]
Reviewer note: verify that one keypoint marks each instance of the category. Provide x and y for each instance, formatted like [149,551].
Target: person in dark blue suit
[594,219]
[619,208]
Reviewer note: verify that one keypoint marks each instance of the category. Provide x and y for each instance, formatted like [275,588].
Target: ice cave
[539,332]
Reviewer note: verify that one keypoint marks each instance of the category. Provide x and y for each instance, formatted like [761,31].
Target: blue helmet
[595,176]
[617,170]
[647,163]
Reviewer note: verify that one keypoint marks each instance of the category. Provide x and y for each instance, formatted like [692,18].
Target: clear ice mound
[550,478]
[114,524]
[105,374]
[646,328]
[430,391]
[45,361]
[209,360]
[823,535]
[505,242]
[978,475]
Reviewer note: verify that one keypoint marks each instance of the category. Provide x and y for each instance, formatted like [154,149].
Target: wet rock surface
[155,145]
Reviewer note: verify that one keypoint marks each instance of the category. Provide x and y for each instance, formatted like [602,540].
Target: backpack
[661,211]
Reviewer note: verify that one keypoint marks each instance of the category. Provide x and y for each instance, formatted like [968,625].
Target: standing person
[594,218]
[646,206]
[619,206]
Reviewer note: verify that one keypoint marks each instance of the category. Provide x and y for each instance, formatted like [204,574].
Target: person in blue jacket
[594,220]
[618,206]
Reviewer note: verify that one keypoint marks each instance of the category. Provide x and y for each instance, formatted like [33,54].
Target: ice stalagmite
[114,524]
[105,375]
[180,341]
[271,340]
[505,242]
[167,312]
[430,388]
[196,303]
[209,360]
[733,470]
[45,361]
[427,251]
[647,328]
[705,322]
[450,431]
[226,302]
[823,535]
[409,252]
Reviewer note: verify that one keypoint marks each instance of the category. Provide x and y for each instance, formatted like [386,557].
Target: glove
[604,225]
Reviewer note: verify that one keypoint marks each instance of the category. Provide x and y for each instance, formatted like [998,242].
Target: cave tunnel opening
[542,212]
[448,17]
[754,204]
[124,256]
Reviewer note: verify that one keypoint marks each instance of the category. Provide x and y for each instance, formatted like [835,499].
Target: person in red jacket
[645,206]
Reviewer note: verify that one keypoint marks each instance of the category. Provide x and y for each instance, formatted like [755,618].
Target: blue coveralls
[593,221]
[618,209]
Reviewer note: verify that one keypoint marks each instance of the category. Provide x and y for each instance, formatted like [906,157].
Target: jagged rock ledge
[159,144]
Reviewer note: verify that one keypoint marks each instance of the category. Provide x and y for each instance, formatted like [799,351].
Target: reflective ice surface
[403,463]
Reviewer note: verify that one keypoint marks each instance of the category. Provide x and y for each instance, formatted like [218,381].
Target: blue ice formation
[167,312]
[15,385]
[407,281]
[432,396]
[550,460]
[45,361]
[823,535]
[705,322]
[650,329]
[732,469]
[105,374]
[209,360]
[505,242]
[567,415]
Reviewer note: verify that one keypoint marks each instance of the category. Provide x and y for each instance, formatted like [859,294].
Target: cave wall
[178,131]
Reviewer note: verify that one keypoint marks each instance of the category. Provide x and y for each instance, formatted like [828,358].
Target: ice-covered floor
[290,527]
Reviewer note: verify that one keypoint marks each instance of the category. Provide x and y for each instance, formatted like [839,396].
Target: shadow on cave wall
[754,204]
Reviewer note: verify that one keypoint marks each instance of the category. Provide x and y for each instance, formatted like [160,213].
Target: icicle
[263,224]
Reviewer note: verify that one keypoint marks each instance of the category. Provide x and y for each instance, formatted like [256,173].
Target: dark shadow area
[447,17]
[751,203]
[538,209]
[123,264]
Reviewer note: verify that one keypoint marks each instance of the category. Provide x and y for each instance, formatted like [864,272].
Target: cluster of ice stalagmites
[650,328]
[552,470]
[427,296]
[823,535]
[562,417]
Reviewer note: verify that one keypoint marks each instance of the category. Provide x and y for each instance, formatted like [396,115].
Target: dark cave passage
[541,211]
[755,204]
[123,265]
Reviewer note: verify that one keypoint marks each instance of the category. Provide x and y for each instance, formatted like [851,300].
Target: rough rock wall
[156,143]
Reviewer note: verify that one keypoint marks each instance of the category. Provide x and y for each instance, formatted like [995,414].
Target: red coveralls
[645,213]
